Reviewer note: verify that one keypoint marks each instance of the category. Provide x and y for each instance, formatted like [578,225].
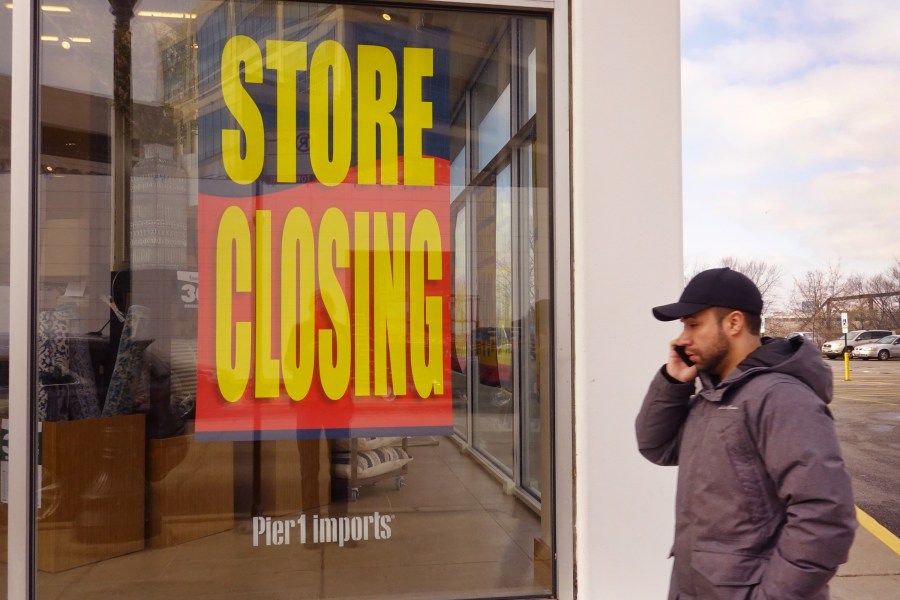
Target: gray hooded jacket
[764,507]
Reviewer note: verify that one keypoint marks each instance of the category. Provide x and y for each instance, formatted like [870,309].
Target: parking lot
[867,414]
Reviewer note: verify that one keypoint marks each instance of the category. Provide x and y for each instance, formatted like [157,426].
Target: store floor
[454,533]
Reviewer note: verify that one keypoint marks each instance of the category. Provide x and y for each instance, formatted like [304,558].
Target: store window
[293,310]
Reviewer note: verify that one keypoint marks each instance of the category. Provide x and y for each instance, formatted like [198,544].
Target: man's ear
[734,322]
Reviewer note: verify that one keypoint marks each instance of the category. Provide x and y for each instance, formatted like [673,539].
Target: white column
[627,257]
[20,299]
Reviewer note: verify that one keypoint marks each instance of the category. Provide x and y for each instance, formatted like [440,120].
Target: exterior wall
[626,196]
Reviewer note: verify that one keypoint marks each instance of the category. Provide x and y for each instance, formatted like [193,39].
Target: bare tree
[809,299]
[880,304]
[883,308]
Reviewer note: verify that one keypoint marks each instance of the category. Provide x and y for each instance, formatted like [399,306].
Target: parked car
[806,335]
[835,348]
[884,349]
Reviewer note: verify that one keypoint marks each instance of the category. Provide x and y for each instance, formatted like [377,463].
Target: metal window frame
[23,173]
[24,124]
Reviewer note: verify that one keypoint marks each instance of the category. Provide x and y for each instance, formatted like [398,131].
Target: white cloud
[835,114]
[695,12]
[873,38]
[790,133]
[756,60]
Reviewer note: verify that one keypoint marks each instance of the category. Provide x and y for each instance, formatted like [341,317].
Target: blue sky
[791,128]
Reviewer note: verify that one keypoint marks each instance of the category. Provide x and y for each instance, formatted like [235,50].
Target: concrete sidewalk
[872,573]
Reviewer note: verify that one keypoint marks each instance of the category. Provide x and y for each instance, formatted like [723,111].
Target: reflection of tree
[504,290]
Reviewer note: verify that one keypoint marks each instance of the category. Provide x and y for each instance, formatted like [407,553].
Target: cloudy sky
[791,128]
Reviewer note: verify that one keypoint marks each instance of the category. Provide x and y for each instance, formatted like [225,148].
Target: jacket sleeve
[659,422]
[799,445]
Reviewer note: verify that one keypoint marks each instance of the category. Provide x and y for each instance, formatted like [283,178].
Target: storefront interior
[131,501]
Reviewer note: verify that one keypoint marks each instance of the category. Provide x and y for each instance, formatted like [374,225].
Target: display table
[92,492]
[191,489]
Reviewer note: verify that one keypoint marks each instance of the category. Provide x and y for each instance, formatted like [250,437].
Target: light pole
[123,11]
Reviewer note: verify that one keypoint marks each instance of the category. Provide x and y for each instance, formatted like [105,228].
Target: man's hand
[677,368]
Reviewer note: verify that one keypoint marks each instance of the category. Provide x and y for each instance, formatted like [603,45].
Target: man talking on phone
[764,507]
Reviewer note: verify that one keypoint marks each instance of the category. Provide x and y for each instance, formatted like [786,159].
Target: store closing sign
[325,272]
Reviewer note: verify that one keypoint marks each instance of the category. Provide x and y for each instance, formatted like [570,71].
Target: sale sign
[324,272]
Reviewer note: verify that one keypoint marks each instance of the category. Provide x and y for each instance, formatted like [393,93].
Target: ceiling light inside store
[165,15]
[49,38]
[65,44]
[386,16]
[46,8]
[80,40]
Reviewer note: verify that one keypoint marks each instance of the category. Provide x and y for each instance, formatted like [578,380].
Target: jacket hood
[792,357]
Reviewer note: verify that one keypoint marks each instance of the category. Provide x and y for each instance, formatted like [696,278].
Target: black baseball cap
[714,287]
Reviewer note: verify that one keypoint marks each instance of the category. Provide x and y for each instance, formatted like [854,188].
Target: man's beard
[713,358]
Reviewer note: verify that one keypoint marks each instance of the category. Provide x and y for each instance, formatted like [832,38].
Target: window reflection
[491,104]
[128,144]
[494,406]
[460,326]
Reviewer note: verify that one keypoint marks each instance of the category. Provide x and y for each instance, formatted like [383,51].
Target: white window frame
[20,536]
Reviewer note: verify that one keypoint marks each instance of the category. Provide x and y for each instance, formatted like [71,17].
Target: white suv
[835,348]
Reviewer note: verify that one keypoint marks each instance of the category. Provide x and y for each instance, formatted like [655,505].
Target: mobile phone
[683,355]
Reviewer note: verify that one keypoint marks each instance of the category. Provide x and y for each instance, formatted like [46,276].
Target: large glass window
[293,302]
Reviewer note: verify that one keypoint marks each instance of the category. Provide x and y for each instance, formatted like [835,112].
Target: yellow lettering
[376,66]
[361,303]
[232,252]
[286,58]
[243,169]
[418,63]
[425,245]
[334,344]
[330,155]
[298,332]
[267,368]
[390,304]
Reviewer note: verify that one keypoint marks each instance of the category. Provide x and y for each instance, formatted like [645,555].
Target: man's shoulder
[774,391]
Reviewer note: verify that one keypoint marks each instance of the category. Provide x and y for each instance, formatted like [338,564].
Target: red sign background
[351,415]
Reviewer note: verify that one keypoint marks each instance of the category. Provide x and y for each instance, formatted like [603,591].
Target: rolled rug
[129,359]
